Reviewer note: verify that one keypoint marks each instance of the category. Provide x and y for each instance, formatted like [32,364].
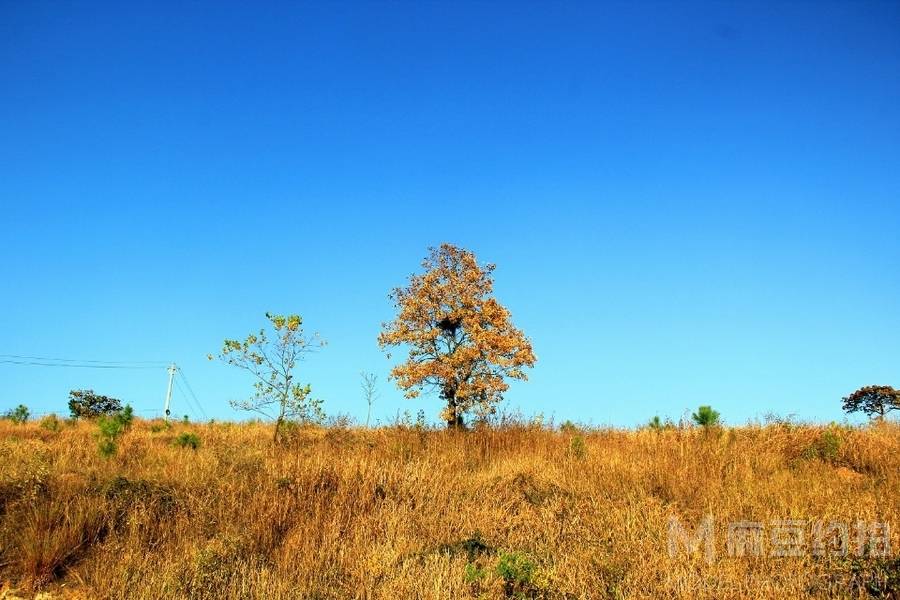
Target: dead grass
[406,513]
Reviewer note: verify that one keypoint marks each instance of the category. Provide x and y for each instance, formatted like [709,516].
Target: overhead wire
[84,361]
[187,401]
[43,361]
[74,365]
[191,390]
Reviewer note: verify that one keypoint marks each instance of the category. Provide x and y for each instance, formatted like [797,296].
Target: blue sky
[687,203]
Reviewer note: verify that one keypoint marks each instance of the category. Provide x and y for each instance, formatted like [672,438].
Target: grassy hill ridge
[407,512]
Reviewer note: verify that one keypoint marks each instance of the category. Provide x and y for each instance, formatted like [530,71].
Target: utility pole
[173,368]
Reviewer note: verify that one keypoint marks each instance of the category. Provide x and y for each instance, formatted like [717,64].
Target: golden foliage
[461,340]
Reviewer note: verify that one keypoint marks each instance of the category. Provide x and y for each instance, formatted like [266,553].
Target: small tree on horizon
[18,415]
[86,404]
[272,362]
[706,417]
[656,423]
[460,338]
[874,400]
[369,384]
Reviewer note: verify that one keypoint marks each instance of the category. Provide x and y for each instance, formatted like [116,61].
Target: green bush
[657,424]
[517,572]
[17,415]
[829,445]
[51,423]
[474,573]
[187,440]
[568,427]
[107,447]
[111,428]
[577,447]
[826,447]
[706,417]
[86,404]
[881,575]
[125,416]
[158,426]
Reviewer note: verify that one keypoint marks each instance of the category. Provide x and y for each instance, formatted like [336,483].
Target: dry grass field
[400,512]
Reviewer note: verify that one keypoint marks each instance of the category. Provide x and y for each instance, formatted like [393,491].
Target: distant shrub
[829,446]
[51,423]
[158,426]
[106,446]
[338,434]
[786,422]
[85,404]
[187,440]
[475,573]
[706,417]
[17,415]
[826,447]
[111,428]
[216,566]
[342,421]
[881,575]
[125,416]
[517,572]
[185,420]
[577,447]
[568,427]
[657,424]
[403,420]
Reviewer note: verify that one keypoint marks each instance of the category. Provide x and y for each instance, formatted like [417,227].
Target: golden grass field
[400,512]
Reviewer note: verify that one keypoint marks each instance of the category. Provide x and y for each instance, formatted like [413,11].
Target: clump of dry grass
[403,512]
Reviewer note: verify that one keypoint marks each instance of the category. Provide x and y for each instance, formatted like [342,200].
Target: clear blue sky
[687,203]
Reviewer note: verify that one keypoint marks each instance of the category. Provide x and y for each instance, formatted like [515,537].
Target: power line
[187,401]
[76,360]
[43,361]
[77,366]
[191,390]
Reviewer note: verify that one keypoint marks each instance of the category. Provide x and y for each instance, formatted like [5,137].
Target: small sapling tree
[272,362]
[706,417]
[110,429]
[17,415]
[370,392]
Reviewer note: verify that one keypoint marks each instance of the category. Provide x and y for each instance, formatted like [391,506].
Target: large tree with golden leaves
[461,341]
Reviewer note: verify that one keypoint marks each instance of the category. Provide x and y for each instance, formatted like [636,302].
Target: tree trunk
[284,402]
[455,420]
[454,416]
[278,423]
